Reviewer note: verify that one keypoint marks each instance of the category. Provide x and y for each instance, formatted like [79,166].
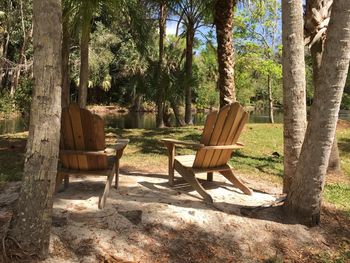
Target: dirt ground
[147,221]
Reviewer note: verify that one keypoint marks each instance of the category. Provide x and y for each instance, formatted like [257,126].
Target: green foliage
[6,103]
[23,96]
[345,104]
[258,52]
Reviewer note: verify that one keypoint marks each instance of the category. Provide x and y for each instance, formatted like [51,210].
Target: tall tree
[32,219]
[294,95]
[191,14]
[305,195]
[162,31]
[88,7]
[223,19]
[316,23]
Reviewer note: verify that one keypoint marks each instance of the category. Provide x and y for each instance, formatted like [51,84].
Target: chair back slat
[81,130]
[207,131]
[226,154]
[228,125]
[214,137]
[226,136]
[67,141]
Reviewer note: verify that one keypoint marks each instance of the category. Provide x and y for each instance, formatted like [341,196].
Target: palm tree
[32,219]
[294,95]
[223,19]
[191,14]
[305,195]
[316,23]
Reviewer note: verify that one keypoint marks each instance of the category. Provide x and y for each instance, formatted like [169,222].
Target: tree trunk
[305,195]
[223,21]
[294,94]
[174,105]
[65,64]
[269,84]
[188,72]
[317,11]
[162,32]
[32,219]
[84,63]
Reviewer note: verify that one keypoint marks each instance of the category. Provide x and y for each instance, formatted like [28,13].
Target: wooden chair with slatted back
[83,149]
[219,138]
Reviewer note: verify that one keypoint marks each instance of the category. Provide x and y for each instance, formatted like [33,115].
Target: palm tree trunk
[305,195]
[294,94]
[31,223]
[65,65]
[188,72]
[84,63]
[162,32]
[321,6]
[223,21]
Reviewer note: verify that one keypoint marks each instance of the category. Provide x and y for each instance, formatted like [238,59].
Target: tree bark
[305,195]
[32,219]
[317,11]
[294,85]
[65,64]
[175,107]
[84,63]
[223,19]
[188,72]
[162,31]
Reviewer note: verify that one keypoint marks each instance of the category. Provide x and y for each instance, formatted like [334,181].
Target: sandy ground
[147,221]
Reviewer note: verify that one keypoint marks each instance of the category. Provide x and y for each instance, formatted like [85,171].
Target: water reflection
[147,120]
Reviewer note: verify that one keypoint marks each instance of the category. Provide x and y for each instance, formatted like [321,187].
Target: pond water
[146,120]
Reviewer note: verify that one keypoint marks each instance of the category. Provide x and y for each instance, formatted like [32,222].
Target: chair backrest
[82,131]
[221,128]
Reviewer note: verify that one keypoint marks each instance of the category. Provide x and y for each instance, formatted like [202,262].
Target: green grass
[261,158]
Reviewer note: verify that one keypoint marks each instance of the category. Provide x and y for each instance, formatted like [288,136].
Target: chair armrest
[223,147]
[121,143]
[187,143]
[71,152]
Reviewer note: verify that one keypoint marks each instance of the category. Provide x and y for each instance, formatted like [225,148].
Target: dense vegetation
[123,54]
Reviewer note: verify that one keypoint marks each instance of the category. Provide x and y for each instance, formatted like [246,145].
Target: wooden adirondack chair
[83,149]
[219,139]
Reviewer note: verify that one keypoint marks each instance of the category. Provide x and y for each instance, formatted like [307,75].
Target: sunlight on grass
[339,195]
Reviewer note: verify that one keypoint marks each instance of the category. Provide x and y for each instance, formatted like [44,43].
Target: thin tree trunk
[175,107]
[223,21]
[305,195]
[269,84]
[162,31]
[22,57]
[65,64]
[312,22]
[84,63]
[32,219]
[188,72]
[294,94]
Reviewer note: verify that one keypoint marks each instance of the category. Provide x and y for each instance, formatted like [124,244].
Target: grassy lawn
[260,159]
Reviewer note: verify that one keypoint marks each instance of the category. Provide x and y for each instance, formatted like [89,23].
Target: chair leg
[171,156]
[235,181]
[190,177]
[210,176]
[116,174]
[102,201]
